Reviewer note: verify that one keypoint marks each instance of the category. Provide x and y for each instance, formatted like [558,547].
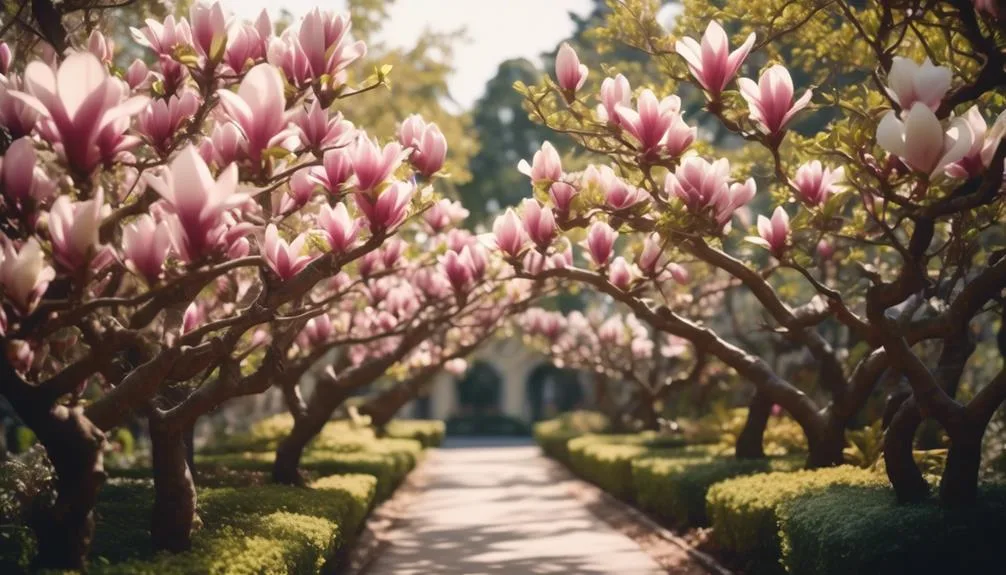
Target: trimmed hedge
[862,530]
[266,434]
[606,460]
[428,432]
[270,529]
[389,460]
[673,488]
[264,529]
[552,435]
[744,511]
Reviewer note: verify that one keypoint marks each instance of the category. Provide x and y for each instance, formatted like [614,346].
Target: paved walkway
[502,509]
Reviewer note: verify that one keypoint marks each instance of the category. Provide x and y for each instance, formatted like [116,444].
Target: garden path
[495,509]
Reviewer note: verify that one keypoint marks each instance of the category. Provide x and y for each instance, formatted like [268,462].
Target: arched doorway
[552,390]
[480,390]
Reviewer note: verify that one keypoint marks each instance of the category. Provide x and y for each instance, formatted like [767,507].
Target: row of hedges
[248,525]
[773,517]
[430,433]
[266,529]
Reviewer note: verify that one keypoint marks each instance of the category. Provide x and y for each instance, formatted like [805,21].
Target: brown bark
[959,483]
[327,396]
[74,446]
[383,407]
[750,442]
[174,510]
[906,478]
[825,443]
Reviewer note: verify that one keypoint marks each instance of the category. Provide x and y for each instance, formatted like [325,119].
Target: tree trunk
[825,444]
[906,478]
[383,407]
[750,442]
[326,398]
[174,491]
[959,484]
[74,446]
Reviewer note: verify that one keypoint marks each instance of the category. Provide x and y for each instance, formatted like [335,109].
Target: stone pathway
[488,509]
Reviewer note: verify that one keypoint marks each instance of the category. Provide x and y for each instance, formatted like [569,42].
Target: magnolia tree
[901,190]
[170,230]
[617,348]
[409,314]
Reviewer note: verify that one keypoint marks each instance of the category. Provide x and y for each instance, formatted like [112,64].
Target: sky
[497,31]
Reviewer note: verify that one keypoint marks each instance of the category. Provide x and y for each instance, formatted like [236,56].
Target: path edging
[706,561]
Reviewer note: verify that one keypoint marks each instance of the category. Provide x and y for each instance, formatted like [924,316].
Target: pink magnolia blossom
[194,316]
[443,214]
[712,63]
[372,165]
[600,242]
[459,269]
[619,195]
[392,251]
[259,109]
[649,257]
[545,167]
[24,274]
[706,186]
[411,131]
[325,39]
[570,74]
[137,75]
[15,115]
[430,151]
[909,82]
[316,331]
[145,245]
[539,222]
[197,201]
[825,250]
[480,259]
[931,148]
[5,58]
[24,182]
[339,227]
[390,207]
[226,144]
[815,183]
[651,119]
[286,54]
[286,259]
[73,227]
[162,118]
[774,232]
[336,169]
[615,92]
[509,234]
[988,6]
[770,101]
[621,274]
[563,256]
[318,130]
[103,48]
[679,137]
[209,27]
[79,106]
[678,273]
[562,195]
[164,38]
[245,45]
[983,146]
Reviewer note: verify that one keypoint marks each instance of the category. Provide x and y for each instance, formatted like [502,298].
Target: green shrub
[863,530]
[430,433]
[744,511]
[782,436]
[261,529]
[673,488]
[606,460]
[265,435]
[553,434]
[389,460]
